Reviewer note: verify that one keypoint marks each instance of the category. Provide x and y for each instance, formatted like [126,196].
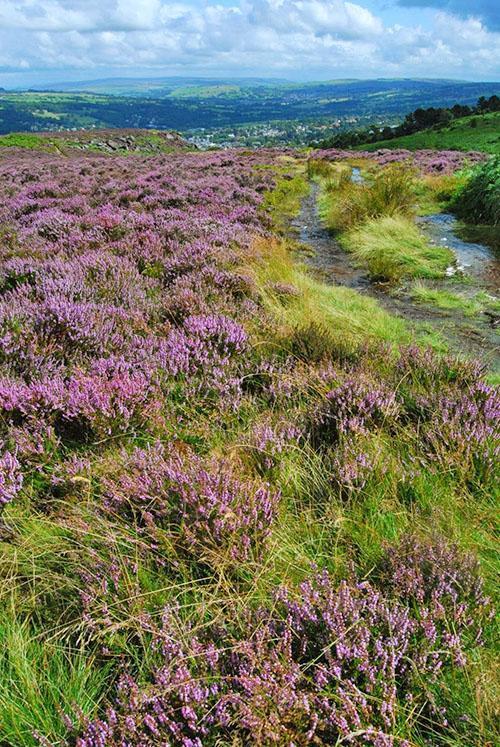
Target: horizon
[50,87]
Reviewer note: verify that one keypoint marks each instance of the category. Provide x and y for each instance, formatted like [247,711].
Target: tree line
[420,119]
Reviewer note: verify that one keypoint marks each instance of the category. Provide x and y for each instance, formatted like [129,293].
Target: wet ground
[477,268]
[323,252]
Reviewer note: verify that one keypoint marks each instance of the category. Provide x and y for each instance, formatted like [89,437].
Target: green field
[478,132]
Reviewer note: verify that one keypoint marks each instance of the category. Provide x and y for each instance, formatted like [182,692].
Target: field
[239,505]
[468,133]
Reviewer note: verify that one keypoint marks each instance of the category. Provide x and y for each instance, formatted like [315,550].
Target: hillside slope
[478,132]
[113,141]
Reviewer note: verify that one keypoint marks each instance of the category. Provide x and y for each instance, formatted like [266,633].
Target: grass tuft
[393,248]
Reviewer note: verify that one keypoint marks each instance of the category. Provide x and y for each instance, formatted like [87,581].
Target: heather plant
[461,432]
[326,663]
[11,478]
[210,458]
[206,510]
[426,161]
[354,406]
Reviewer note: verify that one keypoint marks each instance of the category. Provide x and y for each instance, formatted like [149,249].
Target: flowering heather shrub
[11,479]
[205,507]
[353,406]
[421,366]
[442,586]
[427,161]
[351,467]
[121,279]
[462,428]
[327,663]
[270,441]
[102,403]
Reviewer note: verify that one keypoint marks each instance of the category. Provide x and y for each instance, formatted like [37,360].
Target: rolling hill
[477,132]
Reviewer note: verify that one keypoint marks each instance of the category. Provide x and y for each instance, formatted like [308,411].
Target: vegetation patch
[478,200]
[393,248]
[345,204]
[237,505]
[450,301]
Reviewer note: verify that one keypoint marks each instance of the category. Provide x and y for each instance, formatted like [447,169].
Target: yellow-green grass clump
[392,248]
[449,301]
[345,205]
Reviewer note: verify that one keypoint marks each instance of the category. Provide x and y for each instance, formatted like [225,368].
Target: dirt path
[475,336]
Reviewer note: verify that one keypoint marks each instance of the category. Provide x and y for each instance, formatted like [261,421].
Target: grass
[392,248]
[477,132]
[283,202]
[449,301]
[345,205]
[434,192]
[42,684]
[23,140]
[348,317]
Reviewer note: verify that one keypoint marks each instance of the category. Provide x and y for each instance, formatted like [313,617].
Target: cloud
[487,10]
[295,38]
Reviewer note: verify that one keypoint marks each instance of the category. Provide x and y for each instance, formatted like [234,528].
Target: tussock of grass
[434,191]
[346,316]
[345,205]
[392,248]
[42,685]
[449,301]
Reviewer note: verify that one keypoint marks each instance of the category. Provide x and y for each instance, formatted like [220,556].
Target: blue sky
[45,41]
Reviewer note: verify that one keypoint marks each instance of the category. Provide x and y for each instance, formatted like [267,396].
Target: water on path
[476,336]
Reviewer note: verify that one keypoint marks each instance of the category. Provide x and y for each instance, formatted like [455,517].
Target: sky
[49,41]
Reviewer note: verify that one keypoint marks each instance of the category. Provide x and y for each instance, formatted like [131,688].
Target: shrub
[204,508]
[479,200]
[327,662]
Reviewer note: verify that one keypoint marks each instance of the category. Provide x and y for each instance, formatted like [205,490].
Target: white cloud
[321,37]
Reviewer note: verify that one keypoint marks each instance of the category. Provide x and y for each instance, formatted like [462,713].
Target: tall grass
[392,248]
[44,687]
[346,317]
[390,193]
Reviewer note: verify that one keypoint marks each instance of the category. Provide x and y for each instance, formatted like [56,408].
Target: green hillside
[477,132]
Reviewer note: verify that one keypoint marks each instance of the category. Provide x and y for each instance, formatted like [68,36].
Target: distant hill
[164,86]
[477,132]
[186,104]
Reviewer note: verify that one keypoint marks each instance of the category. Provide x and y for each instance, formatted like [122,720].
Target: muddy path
[321,251]
[475,336]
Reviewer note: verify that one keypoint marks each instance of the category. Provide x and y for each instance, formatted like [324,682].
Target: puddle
[473,258]
[356,175]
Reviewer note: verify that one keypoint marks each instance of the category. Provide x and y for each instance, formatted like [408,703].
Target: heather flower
[11,478]
[354,406]
[442,585]
[461,431]
[269,442]
[210,512]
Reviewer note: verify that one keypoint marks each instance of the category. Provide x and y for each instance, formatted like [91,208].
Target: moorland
[243,501]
